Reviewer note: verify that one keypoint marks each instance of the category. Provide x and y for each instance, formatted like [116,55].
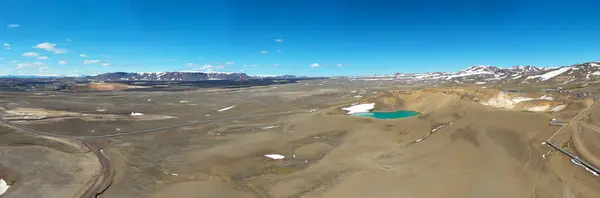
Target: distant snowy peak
[275,76]
[550,74]
[480,69]
[168,76]
[480,74]
[526,69]
[183,76]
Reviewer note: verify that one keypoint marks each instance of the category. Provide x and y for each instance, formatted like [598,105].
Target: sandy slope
[485,152]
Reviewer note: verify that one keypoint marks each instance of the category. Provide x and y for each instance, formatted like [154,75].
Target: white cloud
[69,40]
[264,52]
[44,68]
[83,55]
[91,62]
[276,65]
[339,65]
[190,64]
[279,40]
[30,65]
[51,47]
[62,62]
[314,65]
[229,63]
[255,65]
[24,65]
[278,51]
[206,68]
[6,46]
[30,54]
[13,25]
[42,57]
[15,61]
[106,64]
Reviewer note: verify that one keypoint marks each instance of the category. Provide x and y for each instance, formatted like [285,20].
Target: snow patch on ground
[469,73]
[558,108]
[136,114]
[269,127]
[586,168]
[3,186]
[521,99]
[438,128]
[361,108]
[226,108]
[546,97]
[539,108]
[275,156]
[551,74]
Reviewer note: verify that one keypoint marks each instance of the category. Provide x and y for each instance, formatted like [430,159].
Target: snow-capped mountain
[168,76]
[182,76]
[482,74]
[479,74]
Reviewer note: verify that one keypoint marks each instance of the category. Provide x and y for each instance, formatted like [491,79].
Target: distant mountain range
[167,76]
[482,74]
[162,76]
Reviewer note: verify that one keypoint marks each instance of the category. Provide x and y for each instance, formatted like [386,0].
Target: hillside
[168,76]
[578,73]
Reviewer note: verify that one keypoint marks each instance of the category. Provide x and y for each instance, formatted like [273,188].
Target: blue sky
[300,37]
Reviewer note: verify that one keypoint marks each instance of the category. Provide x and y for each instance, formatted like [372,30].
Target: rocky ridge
[483,74]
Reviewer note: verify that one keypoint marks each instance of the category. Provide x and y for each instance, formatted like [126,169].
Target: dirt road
[579,145]
[105,178]
[577,126]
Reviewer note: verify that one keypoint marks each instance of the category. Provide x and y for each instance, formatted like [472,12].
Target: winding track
[580,147]
[145,130]
[104,179]
[576,125]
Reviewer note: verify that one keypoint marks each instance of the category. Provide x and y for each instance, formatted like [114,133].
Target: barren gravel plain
[467,142]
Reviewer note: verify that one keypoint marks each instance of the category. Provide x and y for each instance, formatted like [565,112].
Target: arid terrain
[468,142]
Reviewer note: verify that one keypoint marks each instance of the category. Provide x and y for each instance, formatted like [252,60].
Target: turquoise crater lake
[388,115]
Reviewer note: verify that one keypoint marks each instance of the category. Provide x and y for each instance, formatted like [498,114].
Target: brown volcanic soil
[109,86]
[478,152]
[44,167]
